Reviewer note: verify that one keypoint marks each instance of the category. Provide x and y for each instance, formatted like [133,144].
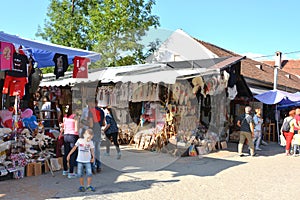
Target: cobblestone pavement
[218,175]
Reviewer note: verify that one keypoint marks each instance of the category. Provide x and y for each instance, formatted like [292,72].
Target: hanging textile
[61,64]
[20,66]
[81,67]
[6,56]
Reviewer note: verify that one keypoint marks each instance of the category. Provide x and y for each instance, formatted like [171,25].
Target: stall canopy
[277,97]
[156,73]
[43,52]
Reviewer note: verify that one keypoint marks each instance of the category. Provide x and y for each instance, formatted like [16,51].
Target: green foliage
[111,27]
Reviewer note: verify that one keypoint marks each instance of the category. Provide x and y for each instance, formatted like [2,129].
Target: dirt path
[220,175]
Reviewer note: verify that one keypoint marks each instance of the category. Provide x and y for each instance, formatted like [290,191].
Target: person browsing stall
[70,129]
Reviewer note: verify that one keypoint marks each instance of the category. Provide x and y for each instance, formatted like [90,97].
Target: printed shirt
[14,86]
[81,67]
[245,120]
[84,150]
[6,55]
[61,64]
[20,67]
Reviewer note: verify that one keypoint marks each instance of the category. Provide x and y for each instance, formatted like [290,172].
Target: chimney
[276,67]
[278,59]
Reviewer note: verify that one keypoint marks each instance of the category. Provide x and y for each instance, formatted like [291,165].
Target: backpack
[286,125]
[98,115]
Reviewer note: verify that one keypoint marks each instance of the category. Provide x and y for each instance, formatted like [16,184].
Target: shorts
[88,169]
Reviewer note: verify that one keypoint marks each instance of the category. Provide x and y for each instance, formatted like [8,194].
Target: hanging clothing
[20,66]
[61,64]
[81,67]
[14,86]
[6,56]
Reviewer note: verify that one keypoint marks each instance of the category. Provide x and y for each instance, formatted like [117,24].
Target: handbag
[282,140]
[60,143]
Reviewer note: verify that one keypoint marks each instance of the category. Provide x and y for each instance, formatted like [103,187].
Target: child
[85,157]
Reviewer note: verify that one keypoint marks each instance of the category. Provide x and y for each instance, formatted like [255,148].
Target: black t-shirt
[61,64]
[245,120]
[20,63]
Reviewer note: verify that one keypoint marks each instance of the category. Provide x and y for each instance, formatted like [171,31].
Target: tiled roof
[259,71]
[289,66]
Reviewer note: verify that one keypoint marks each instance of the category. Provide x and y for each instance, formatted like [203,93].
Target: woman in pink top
[70,128]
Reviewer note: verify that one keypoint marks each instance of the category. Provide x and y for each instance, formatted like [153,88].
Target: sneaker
[72,175]
[242,155]
[264,143]
[81,189]
[119,156]
[258,149]
[254,155]
[65,173]
[90,188]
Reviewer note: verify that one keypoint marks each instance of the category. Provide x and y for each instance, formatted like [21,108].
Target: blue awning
[277,97]
[43,52]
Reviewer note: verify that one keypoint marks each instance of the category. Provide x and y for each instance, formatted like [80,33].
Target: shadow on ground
[111,181]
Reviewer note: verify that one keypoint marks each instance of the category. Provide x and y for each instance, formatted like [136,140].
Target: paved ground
[147,175]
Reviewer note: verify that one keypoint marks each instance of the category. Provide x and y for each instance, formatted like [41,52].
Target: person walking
[96,120]
[84,159]
[258,121]
[246,124]
[111,130]
[70,128]
[297,118]
[287,129]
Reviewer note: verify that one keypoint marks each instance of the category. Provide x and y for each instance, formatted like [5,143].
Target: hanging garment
[6,56]
[61,64]
[232,92]
[14,86]
[20,66]
[81,67]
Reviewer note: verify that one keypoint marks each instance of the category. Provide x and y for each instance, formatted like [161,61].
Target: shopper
[245,122]
[297,118]
[258,121]
[70,129]
[111,131]
[46,108]
[85,157]
[96,119]
[288,134]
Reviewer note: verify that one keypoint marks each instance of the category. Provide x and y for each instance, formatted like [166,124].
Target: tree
[111,27]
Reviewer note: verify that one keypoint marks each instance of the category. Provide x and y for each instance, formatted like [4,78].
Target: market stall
[156,104]
[25,140]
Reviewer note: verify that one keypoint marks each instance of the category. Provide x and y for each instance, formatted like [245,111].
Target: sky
[256,28]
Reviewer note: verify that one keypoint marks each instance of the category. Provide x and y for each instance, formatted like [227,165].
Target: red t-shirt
[81,67]
[14,86]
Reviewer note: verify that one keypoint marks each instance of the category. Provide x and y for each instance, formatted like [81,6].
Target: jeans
[88,169]
[97,162]
[296,147]
[243,136]
[69,143]
[115,140]
[257,138]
